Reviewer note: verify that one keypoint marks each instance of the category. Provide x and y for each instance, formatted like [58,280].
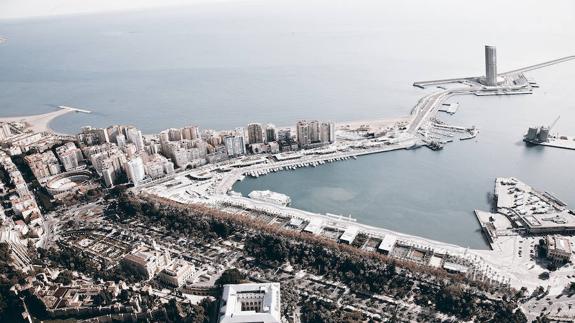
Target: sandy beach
[41,122]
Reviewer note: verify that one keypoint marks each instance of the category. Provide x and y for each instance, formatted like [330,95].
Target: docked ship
[270,197]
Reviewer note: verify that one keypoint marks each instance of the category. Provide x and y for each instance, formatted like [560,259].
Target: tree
[4,252]
[174,311]
[64,277]
[124,295]
[35,305]
[103,298]
[230,276]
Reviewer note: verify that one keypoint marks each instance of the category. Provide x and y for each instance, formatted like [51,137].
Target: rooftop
[251,303]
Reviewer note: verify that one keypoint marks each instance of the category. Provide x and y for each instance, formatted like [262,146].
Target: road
[426,107]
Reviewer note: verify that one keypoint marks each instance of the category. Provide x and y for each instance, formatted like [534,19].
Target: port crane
[554,123]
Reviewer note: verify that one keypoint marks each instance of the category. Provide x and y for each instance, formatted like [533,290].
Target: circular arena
[67,181]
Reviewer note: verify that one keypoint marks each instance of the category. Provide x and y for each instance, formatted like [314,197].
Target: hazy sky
[36,8]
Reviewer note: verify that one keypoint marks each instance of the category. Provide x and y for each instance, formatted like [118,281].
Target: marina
[293,166]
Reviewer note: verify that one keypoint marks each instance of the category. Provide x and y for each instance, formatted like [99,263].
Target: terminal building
[558,249]
[251,303]
[530,210]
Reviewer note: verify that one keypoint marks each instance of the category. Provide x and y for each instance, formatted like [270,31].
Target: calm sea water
[224,65]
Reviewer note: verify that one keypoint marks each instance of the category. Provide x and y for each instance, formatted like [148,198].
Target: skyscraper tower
[490,66]
[255,133]
[303,133]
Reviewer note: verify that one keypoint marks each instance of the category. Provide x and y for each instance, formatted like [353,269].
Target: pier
[563,142]
[74,109]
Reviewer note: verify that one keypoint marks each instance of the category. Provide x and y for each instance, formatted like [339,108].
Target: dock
[563,142]
[558,141]
[450,108]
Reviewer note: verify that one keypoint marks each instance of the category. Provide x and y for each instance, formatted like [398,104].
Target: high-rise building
[235,145]
[284,134]
[113,132]
[327,132]
[303,133]
[490,66]
[69,155]
[215,141]
[135,136]
[314,131]
[271,133]
[175,134]
[121,140]
[135,170]
[255,133]
[191,132]
[93,136]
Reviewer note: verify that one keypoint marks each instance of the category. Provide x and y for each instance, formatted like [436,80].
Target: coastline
[41,122]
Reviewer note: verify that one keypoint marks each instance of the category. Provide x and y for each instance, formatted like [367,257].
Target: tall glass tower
[490,66]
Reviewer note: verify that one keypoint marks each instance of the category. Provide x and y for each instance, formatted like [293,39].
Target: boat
[414,146]
[434,145]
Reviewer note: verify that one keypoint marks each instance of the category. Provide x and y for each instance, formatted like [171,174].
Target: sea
[223,65]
